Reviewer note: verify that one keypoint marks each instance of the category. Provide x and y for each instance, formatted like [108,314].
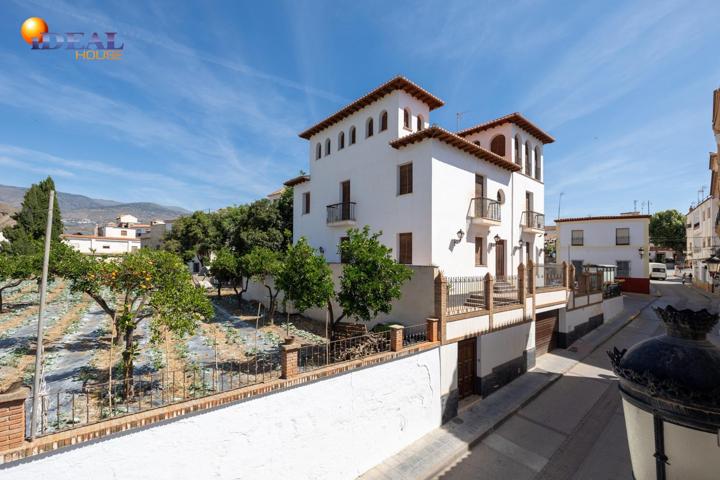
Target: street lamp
[713,265]
[641,251]
[496,238]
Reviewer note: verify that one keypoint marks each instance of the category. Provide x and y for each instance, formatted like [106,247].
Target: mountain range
[81,213]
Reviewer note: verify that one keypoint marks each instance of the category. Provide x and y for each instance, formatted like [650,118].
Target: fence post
[600,279]
[571,277]
[441,293]
[12,418]
[489,286]
[289,358]
[432,330]
[565,275]
[531,276]
[521,283]
[396,337]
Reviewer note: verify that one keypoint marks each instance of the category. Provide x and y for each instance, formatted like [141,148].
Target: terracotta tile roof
[450,138]
[515,118]
[602,217]
[98,237]
[397,83]
[297,180]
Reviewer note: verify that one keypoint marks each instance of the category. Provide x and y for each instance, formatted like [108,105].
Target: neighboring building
[620,240]
[469,202]
[276,194]
[702,238]
[661,254]
[117,238]
[154,237]
[551,234]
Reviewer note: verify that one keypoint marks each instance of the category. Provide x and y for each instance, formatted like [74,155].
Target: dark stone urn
[670,386]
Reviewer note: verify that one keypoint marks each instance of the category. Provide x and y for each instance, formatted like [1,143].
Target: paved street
[575,428]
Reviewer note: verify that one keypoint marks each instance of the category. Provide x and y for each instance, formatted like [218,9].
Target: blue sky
[204,109]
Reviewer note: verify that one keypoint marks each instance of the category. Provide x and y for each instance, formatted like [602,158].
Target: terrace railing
[341,212]
[533,220]
[465,294]
[487,208]
[312,357]
[549,275]
[415,334]
[506,291]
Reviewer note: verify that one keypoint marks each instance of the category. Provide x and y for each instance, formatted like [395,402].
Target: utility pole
[635,206]
[39,342]
[648,204]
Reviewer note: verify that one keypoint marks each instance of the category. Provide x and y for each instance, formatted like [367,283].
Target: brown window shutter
[478,251]
[406,178]
[405,244]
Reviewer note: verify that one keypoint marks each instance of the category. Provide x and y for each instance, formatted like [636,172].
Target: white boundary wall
[335,428]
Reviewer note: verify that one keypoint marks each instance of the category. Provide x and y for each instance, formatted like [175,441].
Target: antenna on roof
[458,117]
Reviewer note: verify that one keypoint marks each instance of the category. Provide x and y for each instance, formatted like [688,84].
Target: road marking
[530,459]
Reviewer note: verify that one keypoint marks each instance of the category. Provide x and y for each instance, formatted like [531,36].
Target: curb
[555,377]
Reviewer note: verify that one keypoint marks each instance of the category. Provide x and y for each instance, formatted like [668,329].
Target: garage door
[545,332]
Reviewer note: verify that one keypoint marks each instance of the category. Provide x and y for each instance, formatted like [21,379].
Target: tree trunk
[271,307]
[10,285]
[128,366]
[333,322]
[239,293]
[219,289]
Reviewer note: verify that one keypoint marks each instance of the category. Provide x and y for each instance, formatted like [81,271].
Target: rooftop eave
[297,180]
[438,133]
[516,118]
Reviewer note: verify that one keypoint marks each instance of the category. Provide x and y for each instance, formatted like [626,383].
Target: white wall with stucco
[335,428]
[502,346]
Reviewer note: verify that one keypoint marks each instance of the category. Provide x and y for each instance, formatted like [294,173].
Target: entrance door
[500,259]
[466,367]
[545,332]
[345,199]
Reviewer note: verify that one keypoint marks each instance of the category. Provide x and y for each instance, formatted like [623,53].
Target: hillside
[81,213]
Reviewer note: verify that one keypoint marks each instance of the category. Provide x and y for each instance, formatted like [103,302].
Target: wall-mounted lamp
[496,238]
[713,265]
[521,243]
[460,234]
[641,251]
[321,250]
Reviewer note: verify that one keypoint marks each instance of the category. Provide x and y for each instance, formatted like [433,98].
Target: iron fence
[415,334]
[64,410]
[481,207]
[549,275]
[506,291]
[339,212]
[532,220]
[465,294]
[312,357]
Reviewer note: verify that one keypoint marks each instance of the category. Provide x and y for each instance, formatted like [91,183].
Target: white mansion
[469,202]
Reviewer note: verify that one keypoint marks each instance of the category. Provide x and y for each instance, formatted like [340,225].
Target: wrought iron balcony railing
[533,220]
[341,212]
[487,208]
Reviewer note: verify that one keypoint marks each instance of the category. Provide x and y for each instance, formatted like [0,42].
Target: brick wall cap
[290,347]
[395,327]
[14,394]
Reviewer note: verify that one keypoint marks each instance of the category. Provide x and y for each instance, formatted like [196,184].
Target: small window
[577,238]
[327,147]
[369,128]
[352,135]
[497,146]
[405,179]
[518,160]
[500,196]
[479,253]
[406,118]
[622,236]
[405,248]
[106,246]
[123,233]
[383,121]
[528,160]
[341,140]
[538,168]
[419,123]
[318,151]
[623,268]
[306,203]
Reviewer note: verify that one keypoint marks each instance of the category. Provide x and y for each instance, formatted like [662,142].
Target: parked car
[658,271]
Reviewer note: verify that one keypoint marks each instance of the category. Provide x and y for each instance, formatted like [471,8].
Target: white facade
[702,237]
[445,167]
[604,241]
[155,235]
[96,245]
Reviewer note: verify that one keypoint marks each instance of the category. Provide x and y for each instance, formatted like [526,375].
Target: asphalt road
[575,429]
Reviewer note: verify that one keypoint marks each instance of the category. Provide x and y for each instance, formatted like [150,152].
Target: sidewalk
[428,456]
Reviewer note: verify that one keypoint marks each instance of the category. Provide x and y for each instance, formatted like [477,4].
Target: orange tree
[148,285]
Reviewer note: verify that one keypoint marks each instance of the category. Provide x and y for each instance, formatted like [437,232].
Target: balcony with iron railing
[484,211]
[341,214]
[532,222]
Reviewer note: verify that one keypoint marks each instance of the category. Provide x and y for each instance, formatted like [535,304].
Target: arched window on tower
[327,147]
[497,146]
[318,151]
[406,118]
[528,160]
[420,122]
[369,128]
[352,135]
[518,159]
[538,166]
[383,121]
[341,140]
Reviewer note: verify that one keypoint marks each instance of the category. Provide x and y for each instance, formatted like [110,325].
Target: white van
[658,271]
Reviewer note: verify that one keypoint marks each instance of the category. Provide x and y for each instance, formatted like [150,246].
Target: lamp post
[713,265]
[670,388]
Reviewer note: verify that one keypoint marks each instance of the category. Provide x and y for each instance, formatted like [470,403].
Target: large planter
[670,387]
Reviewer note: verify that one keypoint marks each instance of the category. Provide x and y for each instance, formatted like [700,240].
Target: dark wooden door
[500,259]
[345,199]
[545,332]
[466,367]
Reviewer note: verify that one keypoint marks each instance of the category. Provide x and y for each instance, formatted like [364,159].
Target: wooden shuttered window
[479,251]
[405,173]
[405,248]
[306,202]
